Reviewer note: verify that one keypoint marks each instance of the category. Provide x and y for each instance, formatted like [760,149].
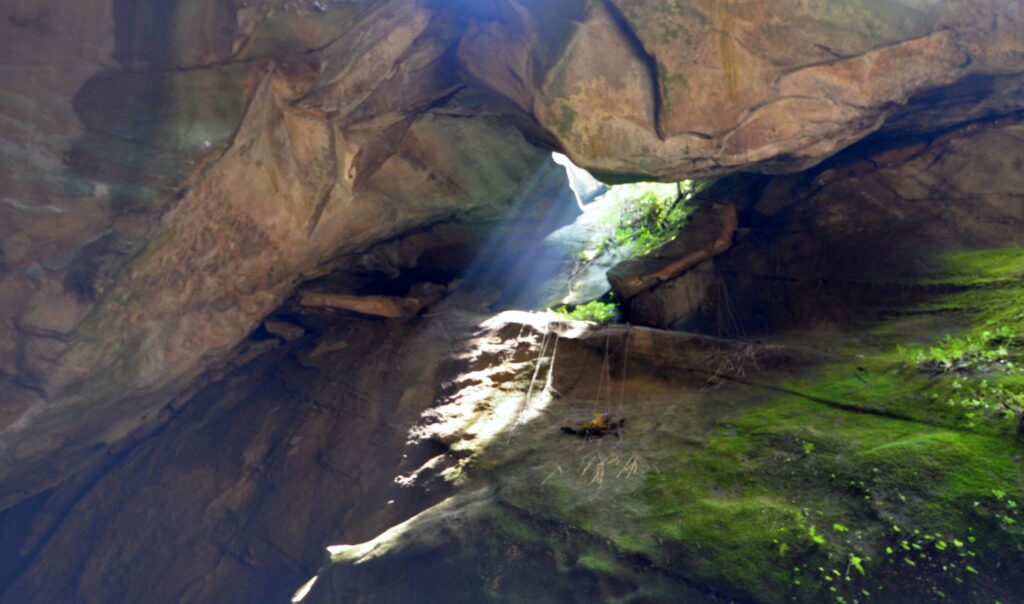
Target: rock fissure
[645,57]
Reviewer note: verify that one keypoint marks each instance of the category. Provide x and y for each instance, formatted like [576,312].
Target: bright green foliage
[595,310]
[952,353]
[648,215]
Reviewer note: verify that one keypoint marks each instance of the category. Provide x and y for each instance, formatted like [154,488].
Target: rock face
[665,89]
[367,139]
[170,172]
[674,304]
[300,426]
[931,178]
[666,287]
[883,207]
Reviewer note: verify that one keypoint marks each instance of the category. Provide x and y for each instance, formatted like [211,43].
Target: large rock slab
[250,473]
[708,233]
[671,305]
[665,89]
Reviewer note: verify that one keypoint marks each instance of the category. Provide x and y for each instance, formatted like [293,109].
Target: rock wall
[804,445]
[368,138]
[327,427]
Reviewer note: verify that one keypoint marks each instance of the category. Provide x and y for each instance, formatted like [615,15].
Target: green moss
[991,288]
[508,527]
[597,562]
[870,478]
[641,216]
[758,511]
[865,478]
[977,267]
[729,542]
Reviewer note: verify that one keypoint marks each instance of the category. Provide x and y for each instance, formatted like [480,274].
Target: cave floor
[872,461]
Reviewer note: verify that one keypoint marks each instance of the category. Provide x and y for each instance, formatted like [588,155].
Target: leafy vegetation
[595,310]
[876,497]
[647,216]
[630,220]
[987,348]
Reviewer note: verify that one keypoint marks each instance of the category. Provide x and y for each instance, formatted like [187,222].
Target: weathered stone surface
[302,179]
[211,528]
[852,232]
[672,304]
[283,329]
[665,89]
[311,418]
[391,307]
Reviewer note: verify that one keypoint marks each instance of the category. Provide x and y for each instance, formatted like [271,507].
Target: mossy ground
[887,477]
[892,471]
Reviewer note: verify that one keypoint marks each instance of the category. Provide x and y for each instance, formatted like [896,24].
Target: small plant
[984,400]
[595,310]
[965,354]
[815,537]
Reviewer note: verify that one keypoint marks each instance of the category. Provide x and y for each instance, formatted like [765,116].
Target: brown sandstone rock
[665,89]
[283,329]
[672,304]
[236,498]
[391,307]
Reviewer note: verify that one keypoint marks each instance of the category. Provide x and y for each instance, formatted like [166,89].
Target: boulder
[672,304]
[390,307]
[708,233]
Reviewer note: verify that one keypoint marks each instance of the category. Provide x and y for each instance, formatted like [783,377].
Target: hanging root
[549,383]
[598,465]
[533,380]
[595,465]
[557,470]
[631,467]
[732,362]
